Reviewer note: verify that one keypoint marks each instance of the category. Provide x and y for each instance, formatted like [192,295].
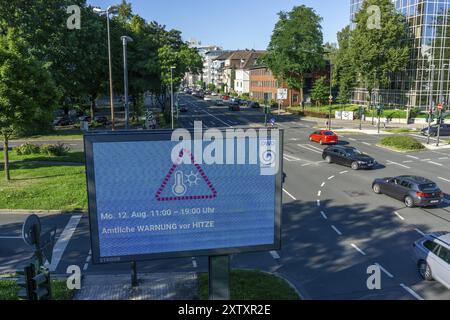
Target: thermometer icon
[179,188]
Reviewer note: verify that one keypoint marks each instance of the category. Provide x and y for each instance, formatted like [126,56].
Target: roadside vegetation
[402,143]
[252,285]
[44,187]
[9,290]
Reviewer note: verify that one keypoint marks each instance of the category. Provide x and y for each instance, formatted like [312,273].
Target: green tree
[296,46]
[344,73]
[320,91]
[379,48]
[212,87]
[27,91]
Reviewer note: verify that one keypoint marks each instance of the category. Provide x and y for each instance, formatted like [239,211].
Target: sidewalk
[170,286]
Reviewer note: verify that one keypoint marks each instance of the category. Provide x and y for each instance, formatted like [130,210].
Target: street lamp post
[430,113]
[110,10]
[171,99]
[125,40]
[331,95]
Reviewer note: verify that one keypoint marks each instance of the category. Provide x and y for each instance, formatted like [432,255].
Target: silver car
[432,254]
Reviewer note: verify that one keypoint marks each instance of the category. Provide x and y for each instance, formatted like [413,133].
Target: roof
[224,56]
[416,179]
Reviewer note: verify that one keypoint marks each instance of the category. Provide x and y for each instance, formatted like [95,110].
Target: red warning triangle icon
[172,171]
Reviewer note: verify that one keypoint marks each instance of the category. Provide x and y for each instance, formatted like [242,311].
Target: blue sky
[233,24]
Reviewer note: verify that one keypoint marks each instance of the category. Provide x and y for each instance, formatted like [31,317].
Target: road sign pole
[219,278]
[439,128]
[134,279]
[430,115]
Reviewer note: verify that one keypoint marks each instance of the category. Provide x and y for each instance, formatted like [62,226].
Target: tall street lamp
[108,12]
[125,40]
[171,94]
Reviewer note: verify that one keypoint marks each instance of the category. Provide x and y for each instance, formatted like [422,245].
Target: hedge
[403,143]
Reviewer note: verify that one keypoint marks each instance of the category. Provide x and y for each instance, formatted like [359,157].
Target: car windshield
[354,151]
[328,133]
[427,186]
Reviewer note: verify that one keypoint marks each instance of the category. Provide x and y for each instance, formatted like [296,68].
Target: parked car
[254,105]
[235,106]
[62,121]
[101,119]
[183,109]
[324,137]
[85,119]
[225,97]
[348,156]
[432,255]
[445,130]
[413,191]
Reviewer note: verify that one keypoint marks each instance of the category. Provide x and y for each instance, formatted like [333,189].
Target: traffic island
[253,285]
[400,143]
[9,290]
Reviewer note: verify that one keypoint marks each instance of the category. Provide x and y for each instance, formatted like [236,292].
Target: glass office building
[427,76]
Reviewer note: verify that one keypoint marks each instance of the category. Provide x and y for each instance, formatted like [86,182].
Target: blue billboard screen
[149,205]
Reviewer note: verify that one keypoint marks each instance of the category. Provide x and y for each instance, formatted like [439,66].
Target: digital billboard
[151,197]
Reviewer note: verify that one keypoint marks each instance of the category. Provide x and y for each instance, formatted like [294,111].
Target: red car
[324,137]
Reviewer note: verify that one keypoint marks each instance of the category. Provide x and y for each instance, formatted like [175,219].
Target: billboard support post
[219,277]
[134,279]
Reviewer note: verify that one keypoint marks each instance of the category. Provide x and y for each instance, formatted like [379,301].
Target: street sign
[154,198]
[282,94]
[31,230]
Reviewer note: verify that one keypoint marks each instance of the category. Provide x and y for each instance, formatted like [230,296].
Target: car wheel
[328,159]
[425,271]
[355,165]
[409,202]
[376,188]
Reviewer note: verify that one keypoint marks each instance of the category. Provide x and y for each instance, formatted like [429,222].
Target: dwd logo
[74,21]
[374,281]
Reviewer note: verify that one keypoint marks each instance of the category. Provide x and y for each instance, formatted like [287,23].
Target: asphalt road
[334,226]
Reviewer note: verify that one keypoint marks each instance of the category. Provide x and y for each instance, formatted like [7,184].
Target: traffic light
[25,282]
[42,286]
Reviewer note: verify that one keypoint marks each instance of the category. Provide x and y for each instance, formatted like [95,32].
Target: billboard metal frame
[165,135]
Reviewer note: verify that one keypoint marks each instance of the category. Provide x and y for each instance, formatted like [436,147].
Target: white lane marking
[398,215]
[420,232]
[86,265]
[443,179]
[318,203]
[412,157]
[398,164]
[306,165]
[435,163]
[323,184]
[408,161]
[336,230]
[310,149]
[290,195]
[367,144]
[63,241]
[351,139]
[343,172]
[88,259]
[444,158]
[425,160]
[324,215]
[275,255]
[194,263]
[228,125]
[314,147]
[358,249]
[412,292]
[319,193]
[11,238]
[331,178]
[290,158]
[384,270]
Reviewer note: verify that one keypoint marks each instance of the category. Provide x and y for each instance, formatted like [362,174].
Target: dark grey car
[413,191]
[444,131]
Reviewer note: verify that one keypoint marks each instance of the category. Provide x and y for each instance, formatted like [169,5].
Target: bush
[57,150]
[27,149]
[403,143]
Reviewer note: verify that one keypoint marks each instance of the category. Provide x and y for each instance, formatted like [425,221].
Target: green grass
[44,187]
[60,134]
[401,130]
[252,285]
[402,143]
[9,290]
[74,157]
